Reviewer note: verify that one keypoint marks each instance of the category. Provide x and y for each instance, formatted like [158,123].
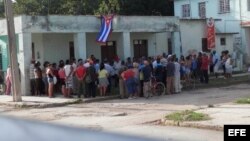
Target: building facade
[54,38]
[231,17]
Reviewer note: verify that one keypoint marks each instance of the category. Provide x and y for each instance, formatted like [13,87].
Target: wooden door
[140,48]
[108,51]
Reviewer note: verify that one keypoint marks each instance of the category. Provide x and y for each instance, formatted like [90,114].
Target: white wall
[229,43]
[56,47]
[157,42]
[192,32]
[37,39]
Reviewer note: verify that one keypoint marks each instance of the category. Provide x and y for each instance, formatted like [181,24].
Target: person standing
[170,75]
[129,78]
[38,79]
[32,77]
[62,77]
[80,74]
[122,89]
[91,80]
[8,81]
[69,78]
[204,67]
[50,76]
[103,80]
[147,73]
[177,75]
[216,63]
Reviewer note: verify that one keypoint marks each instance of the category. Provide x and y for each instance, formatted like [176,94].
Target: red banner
[210,34]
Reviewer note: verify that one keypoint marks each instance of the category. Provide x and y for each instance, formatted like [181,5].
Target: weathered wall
[192,32]
[56,47]
[76,24]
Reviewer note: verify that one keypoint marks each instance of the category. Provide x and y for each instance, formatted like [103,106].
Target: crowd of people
[132,77]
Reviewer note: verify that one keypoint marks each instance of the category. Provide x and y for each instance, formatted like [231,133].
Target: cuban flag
[106,29]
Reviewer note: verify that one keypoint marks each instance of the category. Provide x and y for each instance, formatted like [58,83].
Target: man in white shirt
[69,77]
[177,76]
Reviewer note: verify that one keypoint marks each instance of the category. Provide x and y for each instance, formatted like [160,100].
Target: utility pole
[16,89]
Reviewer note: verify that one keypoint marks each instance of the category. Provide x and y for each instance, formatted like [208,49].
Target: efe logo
[237,132]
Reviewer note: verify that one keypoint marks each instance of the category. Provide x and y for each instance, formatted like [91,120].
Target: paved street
[138,116]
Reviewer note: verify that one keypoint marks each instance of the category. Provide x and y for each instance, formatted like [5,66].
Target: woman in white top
[229,67]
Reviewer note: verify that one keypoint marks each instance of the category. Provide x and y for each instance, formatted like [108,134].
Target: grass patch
[187,115]
[243,101]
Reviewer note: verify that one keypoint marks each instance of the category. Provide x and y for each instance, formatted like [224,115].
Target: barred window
[186,10]
[224,6]
[202,10]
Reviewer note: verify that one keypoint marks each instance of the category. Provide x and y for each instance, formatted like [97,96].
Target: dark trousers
[141,88]
[32,86]
[91,89]
[38,86]
[205,76]
[110,84]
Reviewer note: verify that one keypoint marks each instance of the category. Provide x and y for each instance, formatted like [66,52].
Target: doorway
[71,50]
[140,48]
[108,51]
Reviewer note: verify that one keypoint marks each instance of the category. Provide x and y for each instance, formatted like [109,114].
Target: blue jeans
[131,86]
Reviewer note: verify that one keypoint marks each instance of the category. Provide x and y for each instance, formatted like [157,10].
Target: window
[202,10]
[186,10]
[248,5]
[224,6]
[204,45]
[223,41]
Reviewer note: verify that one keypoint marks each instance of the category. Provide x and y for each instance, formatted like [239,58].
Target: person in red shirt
[204,67]
[129,78]
[80,73]
[62,76]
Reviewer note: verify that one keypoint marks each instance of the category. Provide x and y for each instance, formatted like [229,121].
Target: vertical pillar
[177,45]
[80,44]
[126,45]
[24,58]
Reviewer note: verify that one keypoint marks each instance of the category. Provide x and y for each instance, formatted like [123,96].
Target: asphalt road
[135,116]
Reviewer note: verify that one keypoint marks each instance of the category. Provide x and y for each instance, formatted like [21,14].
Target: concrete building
[232,20]
[52,38]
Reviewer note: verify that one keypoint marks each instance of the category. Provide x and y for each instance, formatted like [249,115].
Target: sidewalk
[45,102]
[224,114]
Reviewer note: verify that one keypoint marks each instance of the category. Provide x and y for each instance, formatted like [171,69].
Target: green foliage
[91,7]
[187,116]
[243,101]
[1,9]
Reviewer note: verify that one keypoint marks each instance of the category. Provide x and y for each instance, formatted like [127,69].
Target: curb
[191,125]
[25,105]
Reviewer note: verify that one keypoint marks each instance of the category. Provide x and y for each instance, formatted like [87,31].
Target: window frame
[186,10]
[223,41]
[204,14]
[224,6]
